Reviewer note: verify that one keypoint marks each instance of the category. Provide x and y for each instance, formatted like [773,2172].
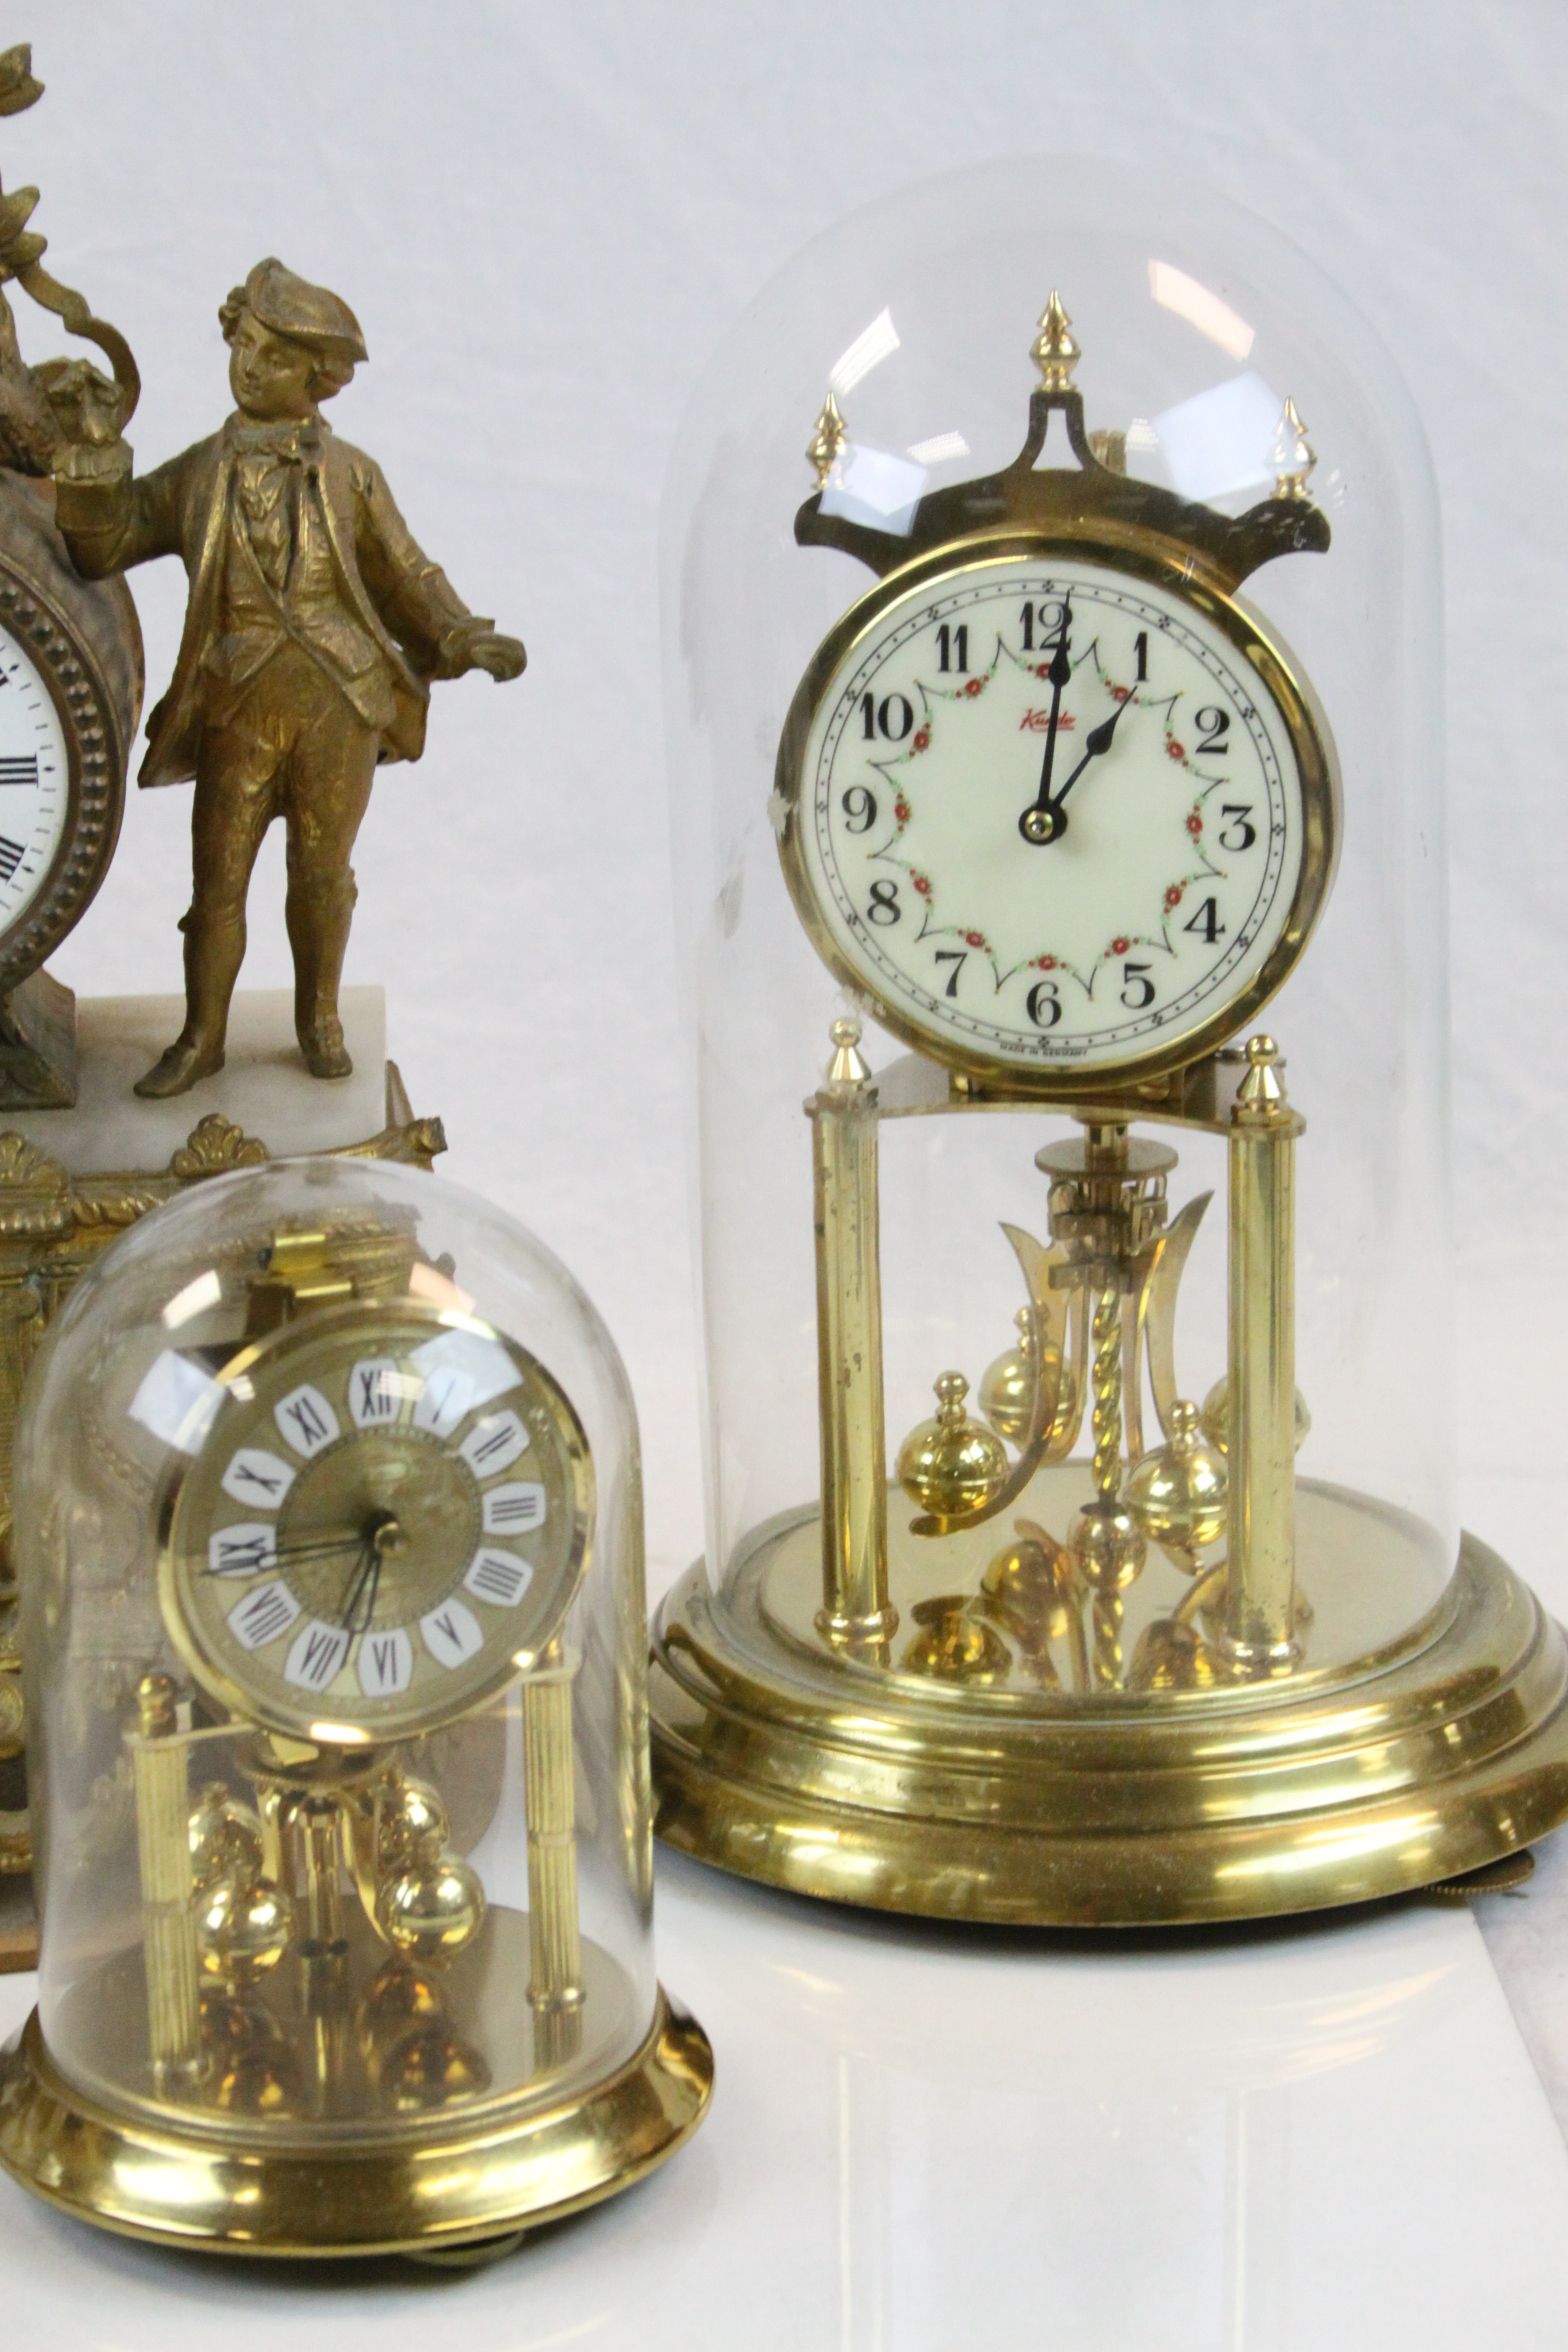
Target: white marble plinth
[263,1087]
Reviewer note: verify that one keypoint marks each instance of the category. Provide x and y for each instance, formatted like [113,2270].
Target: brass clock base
[480,2189]
[1359,1777]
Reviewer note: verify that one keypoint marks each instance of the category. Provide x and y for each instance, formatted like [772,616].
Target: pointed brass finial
[828,437]
[1261,1096]
[1293,455]
[1055,350]
[848,1066]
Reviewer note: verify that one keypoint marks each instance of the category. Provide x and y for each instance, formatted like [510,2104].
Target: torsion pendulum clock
[1145,1612]
[330,1475]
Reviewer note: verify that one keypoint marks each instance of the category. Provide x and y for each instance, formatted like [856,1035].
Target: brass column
[855,1608]
[318,1824]
[318,1829]
[1260,1590]
[555,1985]
[158,1771]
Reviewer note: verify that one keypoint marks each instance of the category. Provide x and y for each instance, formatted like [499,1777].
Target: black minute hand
[1037,823]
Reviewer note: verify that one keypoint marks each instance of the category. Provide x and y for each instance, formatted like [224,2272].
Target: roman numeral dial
[35,783]
[386,1522]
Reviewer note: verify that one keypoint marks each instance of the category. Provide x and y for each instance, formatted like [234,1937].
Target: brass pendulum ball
[225,1838]
[1109,1544]
[951,1464]
[243,1927]
[411,1820]
[244,1921]
[1214,1416]
[1010,1382]
[431,1909]
[1178,1489]
[429,1905]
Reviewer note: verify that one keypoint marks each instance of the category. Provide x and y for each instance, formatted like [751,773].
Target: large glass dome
[977,451]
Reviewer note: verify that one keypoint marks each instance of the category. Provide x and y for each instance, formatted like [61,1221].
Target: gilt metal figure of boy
[313,629]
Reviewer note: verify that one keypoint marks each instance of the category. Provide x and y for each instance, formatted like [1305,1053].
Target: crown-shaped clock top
[1084,500]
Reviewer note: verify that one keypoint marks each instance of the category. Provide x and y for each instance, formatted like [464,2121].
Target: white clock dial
[34,782]
[1054,817]
[350,1554]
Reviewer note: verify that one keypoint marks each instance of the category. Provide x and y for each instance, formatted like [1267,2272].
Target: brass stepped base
[479,2189]
[1344,1783]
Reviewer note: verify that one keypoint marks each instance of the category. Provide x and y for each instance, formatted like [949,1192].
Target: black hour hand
[1095,744]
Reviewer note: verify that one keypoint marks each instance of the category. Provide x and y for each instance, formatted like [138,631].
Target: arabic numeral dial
[1053,816]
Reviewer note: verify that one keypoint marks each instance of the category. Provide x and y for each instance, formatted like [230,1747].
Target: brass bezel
[307,1335]
[1157,564]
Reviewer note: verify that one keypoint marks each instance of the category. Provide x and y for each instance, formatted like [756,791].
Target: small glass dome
[1054,690]
[329,1531]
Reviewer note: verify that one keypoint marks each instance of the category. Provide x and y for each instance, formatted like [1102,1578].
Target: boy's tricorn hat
[292,306]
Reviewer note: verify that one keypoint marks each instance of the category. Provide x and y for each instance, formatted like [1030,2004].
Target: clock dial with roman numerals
[35,781]
[1059,819]
[386,1518]
[70,692]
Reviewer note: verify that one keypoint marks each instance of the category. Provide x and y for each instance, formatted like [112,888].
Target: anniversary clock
[330,1541]
[1081,1540]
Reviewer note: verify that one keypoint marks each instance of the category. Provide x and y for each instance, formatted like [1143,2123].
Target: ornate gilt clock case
[1056,754]
[330,1529]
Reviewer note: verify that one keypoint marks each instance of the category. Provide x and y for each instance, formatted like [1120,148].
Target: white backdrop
[545,219]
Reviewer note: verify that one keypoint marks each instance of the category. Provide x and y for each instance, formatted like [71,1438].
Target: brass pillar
[855,1607]
[1260,1587]
[318,1829]
[317,1823]
[555,1944]
[158,1771]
